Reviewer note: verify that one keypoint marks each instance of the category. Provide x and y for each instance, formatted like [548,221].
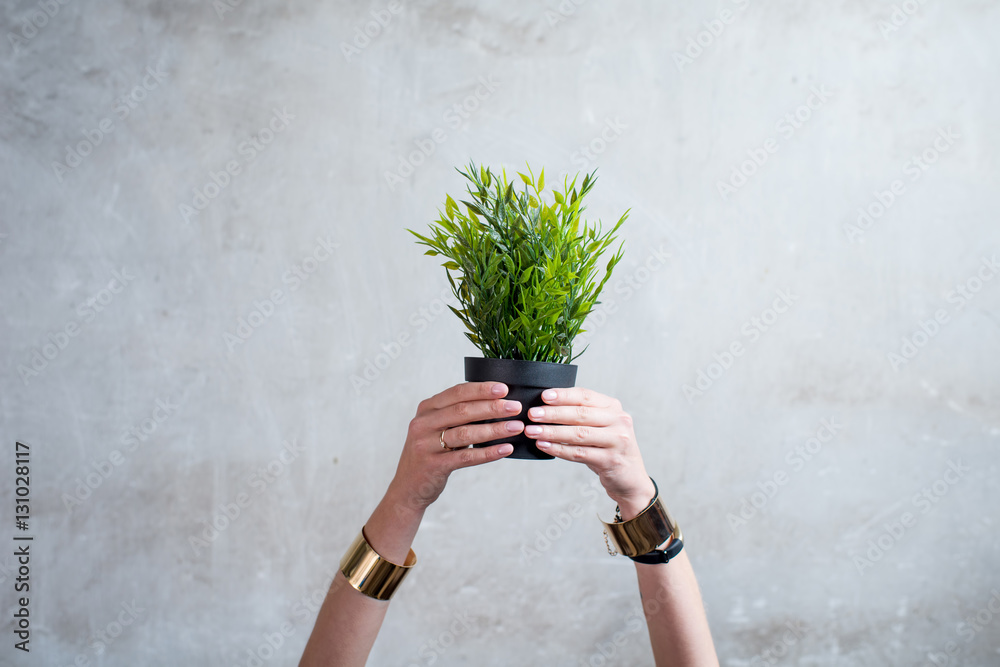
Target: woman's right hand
[424,465]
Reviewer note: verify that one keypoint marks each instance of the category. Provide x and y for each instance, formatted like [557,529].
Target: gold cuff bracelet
[644,533]
[371,574]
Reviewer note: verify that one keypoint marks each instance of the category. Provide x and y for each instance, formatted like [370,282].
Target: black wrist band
[656,557]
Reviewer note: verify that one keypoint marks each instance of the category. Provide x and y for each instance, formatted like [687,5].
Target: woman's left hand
[581,425]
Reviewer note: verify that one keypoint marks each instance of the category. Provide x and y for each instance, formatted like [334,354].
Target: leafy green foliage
[524,270]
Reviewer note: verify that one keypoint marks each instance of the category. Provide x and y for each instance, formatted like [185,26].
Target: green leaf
[526,274]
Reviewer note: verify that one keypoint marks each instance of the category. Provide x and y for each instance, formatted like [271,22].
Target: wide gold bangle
[371,574]
[642,534]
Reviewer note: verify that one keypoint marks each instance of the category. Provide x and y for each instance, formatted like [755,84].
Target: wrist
[641,537]
[403,502]
[633,503]
[393,525]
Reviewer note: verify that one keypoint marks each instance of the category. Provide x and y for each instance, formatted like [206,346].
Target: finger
[572,414]
[471,434]
[577,396]
[472,411]
[588,436]
[591,456]
[466,458]
[467,391]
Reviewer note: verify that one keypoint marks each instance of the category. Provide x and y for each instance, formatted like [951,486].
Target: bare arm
[581,425]
[675,615]
[349,621]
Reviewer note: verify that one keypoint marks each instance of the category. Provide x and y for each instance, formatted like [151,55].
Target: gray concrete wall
[814,473]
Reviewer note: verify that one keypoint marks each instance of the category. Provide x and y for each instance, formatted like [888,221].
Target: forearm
[675,614]
[349,621]
[437,443]
[603,438]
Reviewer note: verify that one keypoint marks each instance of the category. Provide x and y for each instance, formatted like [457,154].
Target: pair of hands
[575,424]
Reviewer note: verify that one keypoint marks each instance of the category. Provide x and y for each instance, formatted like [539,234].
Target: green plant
[526,268]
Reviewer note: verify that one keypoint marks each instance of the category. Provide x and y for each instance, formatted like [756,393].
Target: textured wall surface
[211,315]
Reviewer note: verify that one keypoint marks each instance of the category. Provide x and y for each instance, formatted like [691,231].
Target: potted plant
[526,276]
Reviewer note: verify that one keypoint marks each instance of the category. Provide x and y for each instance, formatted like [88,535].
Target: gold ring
[441,440]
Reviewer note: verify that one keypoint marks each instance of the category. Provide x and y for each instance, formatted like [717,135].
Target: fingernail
[499,390]
[513,426]
[549,394]
[504,450]
[511,406]
[536,413]
[542,444]
[532,430]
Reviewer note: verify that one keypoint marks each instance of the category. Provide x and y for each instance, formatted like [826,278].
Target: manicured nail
[542,444]
[499,390]
[532,430]
[504,450]
[513,426]
[536,413]
[512,406]
[549,394]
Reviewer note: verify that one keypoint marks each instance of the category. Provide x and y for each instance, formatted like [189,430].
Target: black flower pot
[526,380]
